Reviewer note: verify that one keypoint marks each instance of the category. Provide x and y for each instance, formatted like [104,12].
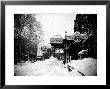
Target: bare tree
[27,34]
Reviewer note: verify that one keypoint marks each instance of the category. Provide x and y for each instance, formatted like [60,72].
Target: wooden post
[70,59]
[66,53]
[54,51]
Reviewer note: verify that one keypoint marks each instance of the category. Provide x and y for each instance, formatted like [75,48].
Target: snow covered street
[53,67]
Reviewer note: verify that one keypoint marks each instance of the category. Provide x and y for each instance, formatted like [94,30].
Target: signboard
[70,37]
[56,40]
[77,37]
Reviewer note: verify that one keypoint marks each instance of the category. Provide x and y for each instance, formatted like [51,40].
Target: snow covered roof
[56,39]
[83,52]
[57,36]
[74,34]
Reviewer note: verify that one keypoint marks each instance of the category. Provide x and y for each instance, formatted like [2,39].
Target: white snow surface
[87,66]
[53,67]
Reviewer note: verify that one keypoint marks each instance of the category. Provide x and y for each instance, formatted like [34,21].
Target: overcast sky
[56,24]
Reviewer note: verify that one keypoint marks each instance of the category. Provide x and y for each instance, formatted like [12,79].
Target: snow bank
[87,66]
[54,67]
[48,67]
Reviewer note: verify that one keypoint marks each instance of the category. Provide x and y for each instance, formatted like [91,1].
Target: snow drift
[87,66]
[54,67]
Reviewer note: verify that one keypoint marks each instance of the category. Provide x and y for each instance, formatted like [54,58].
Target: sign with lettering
[70,37]
[77,37]
[56,40]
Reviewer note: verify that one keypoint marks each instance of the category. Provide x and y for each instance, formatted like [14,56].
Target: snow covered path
[53,67]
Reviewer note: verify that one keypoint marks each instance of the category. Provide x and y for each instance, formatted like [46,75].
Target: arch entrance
[70,45]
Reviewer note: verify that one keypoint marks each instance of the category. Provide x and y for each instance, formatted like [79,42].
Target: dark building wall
[87,23]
